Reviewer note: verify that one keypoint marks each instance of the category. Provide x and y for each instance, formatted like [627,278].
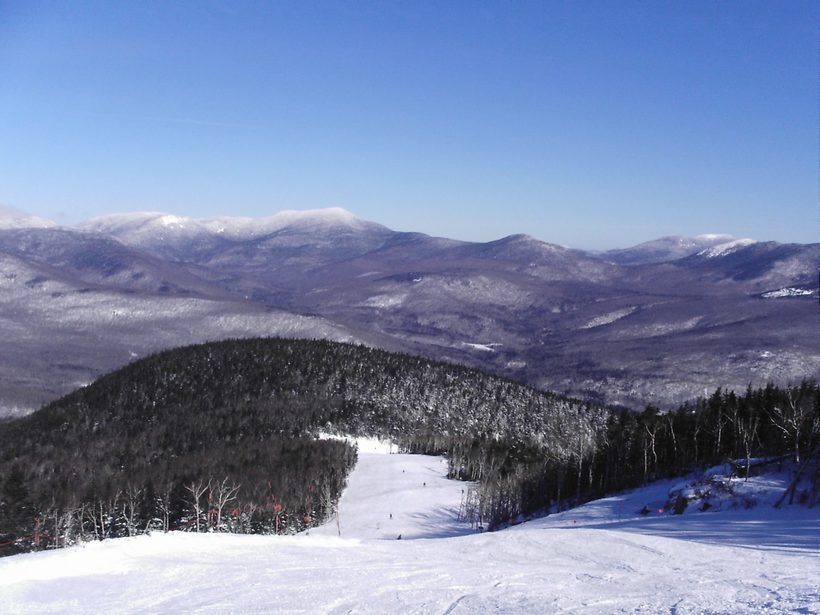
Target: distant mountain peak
[665,249]
[524,240]
[139,224]
[128,219]
[328,217]
[11,218]
[714,237]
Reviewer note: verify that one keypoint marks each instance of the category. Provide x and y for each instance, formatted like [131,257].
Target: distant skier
[399,538]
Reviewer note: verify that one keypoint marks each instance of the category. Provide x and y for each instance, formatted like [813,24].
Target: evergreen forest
[231,436]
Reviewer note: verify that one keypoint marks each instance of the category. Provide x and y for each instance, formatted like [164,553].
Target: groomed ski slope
[600,558]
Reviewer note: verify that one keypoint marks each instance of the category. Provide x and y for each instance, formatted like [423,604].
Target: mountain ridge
[554,317]
[253,227]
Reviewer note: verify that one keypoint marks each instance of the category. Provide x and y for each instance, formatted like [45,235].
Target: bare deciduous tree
[164,504]
[197,489]
[793,418]
[222,493]
[129,506]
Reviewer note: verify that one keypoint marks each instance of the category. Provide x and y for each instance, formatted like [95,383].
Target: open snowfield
[599,558]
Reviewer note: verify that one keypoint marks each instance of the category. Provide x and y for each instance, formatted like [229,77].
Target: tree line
[273,486]
[630,449]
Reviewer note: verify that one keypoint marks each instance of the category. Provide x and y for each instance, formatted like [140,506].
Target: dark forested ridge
[221,437]
[157,443]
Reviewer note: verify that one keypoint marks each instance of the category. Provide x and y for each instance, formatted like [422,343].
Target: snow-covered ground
[604,557]
[388,496]
[787,292]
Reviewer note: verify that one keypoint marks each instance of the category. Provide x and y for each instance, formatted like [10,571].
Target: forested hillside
[222,437]
[160,443]
[635,448]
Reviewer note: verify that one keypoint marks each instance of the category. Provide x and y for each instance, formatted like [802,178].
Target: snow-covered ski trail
[600,558]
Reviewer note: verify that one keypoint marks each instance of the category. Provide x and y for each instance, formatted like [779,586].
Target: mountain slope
[598,559]
[236,413]
[98,261]
[73,305]
[233,411]
[297,387]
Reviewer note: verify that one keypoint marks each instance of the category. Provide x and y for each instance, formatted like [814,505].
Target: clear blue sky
[590,124]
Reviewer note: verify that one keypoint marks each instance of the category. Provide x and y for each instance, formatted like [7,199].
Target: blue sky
[594,125]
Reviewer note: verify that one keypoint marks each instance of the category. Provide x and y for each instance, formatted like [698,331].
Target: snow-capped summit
[669,248]
[331,216]
[11,218]
[714,237]
[187,239]
[250,228]
[132,221]
[726,248]
[138,226]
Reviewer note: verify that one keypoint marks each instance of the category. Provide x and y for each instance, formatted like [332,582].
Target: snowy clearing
[787,292]
[603,557]
[481,347]
[609,318]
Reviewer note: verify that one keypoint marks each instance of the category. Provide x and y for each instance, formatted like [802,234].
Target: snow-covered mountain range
[659,322]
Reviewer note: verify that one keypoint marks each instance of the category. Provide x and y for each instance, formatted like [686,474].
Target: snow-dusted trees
[206,504]
[797,418]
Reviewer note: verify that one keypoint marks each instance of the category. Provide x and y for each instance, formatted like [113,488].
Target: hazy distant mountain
[95,260]
[682,316]
[200,240]
[74,304]
[11,218]
[665,249]
[758,265]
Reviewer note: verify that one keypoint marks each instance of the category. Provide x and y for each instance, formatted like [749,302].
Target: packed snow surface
[600,558]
